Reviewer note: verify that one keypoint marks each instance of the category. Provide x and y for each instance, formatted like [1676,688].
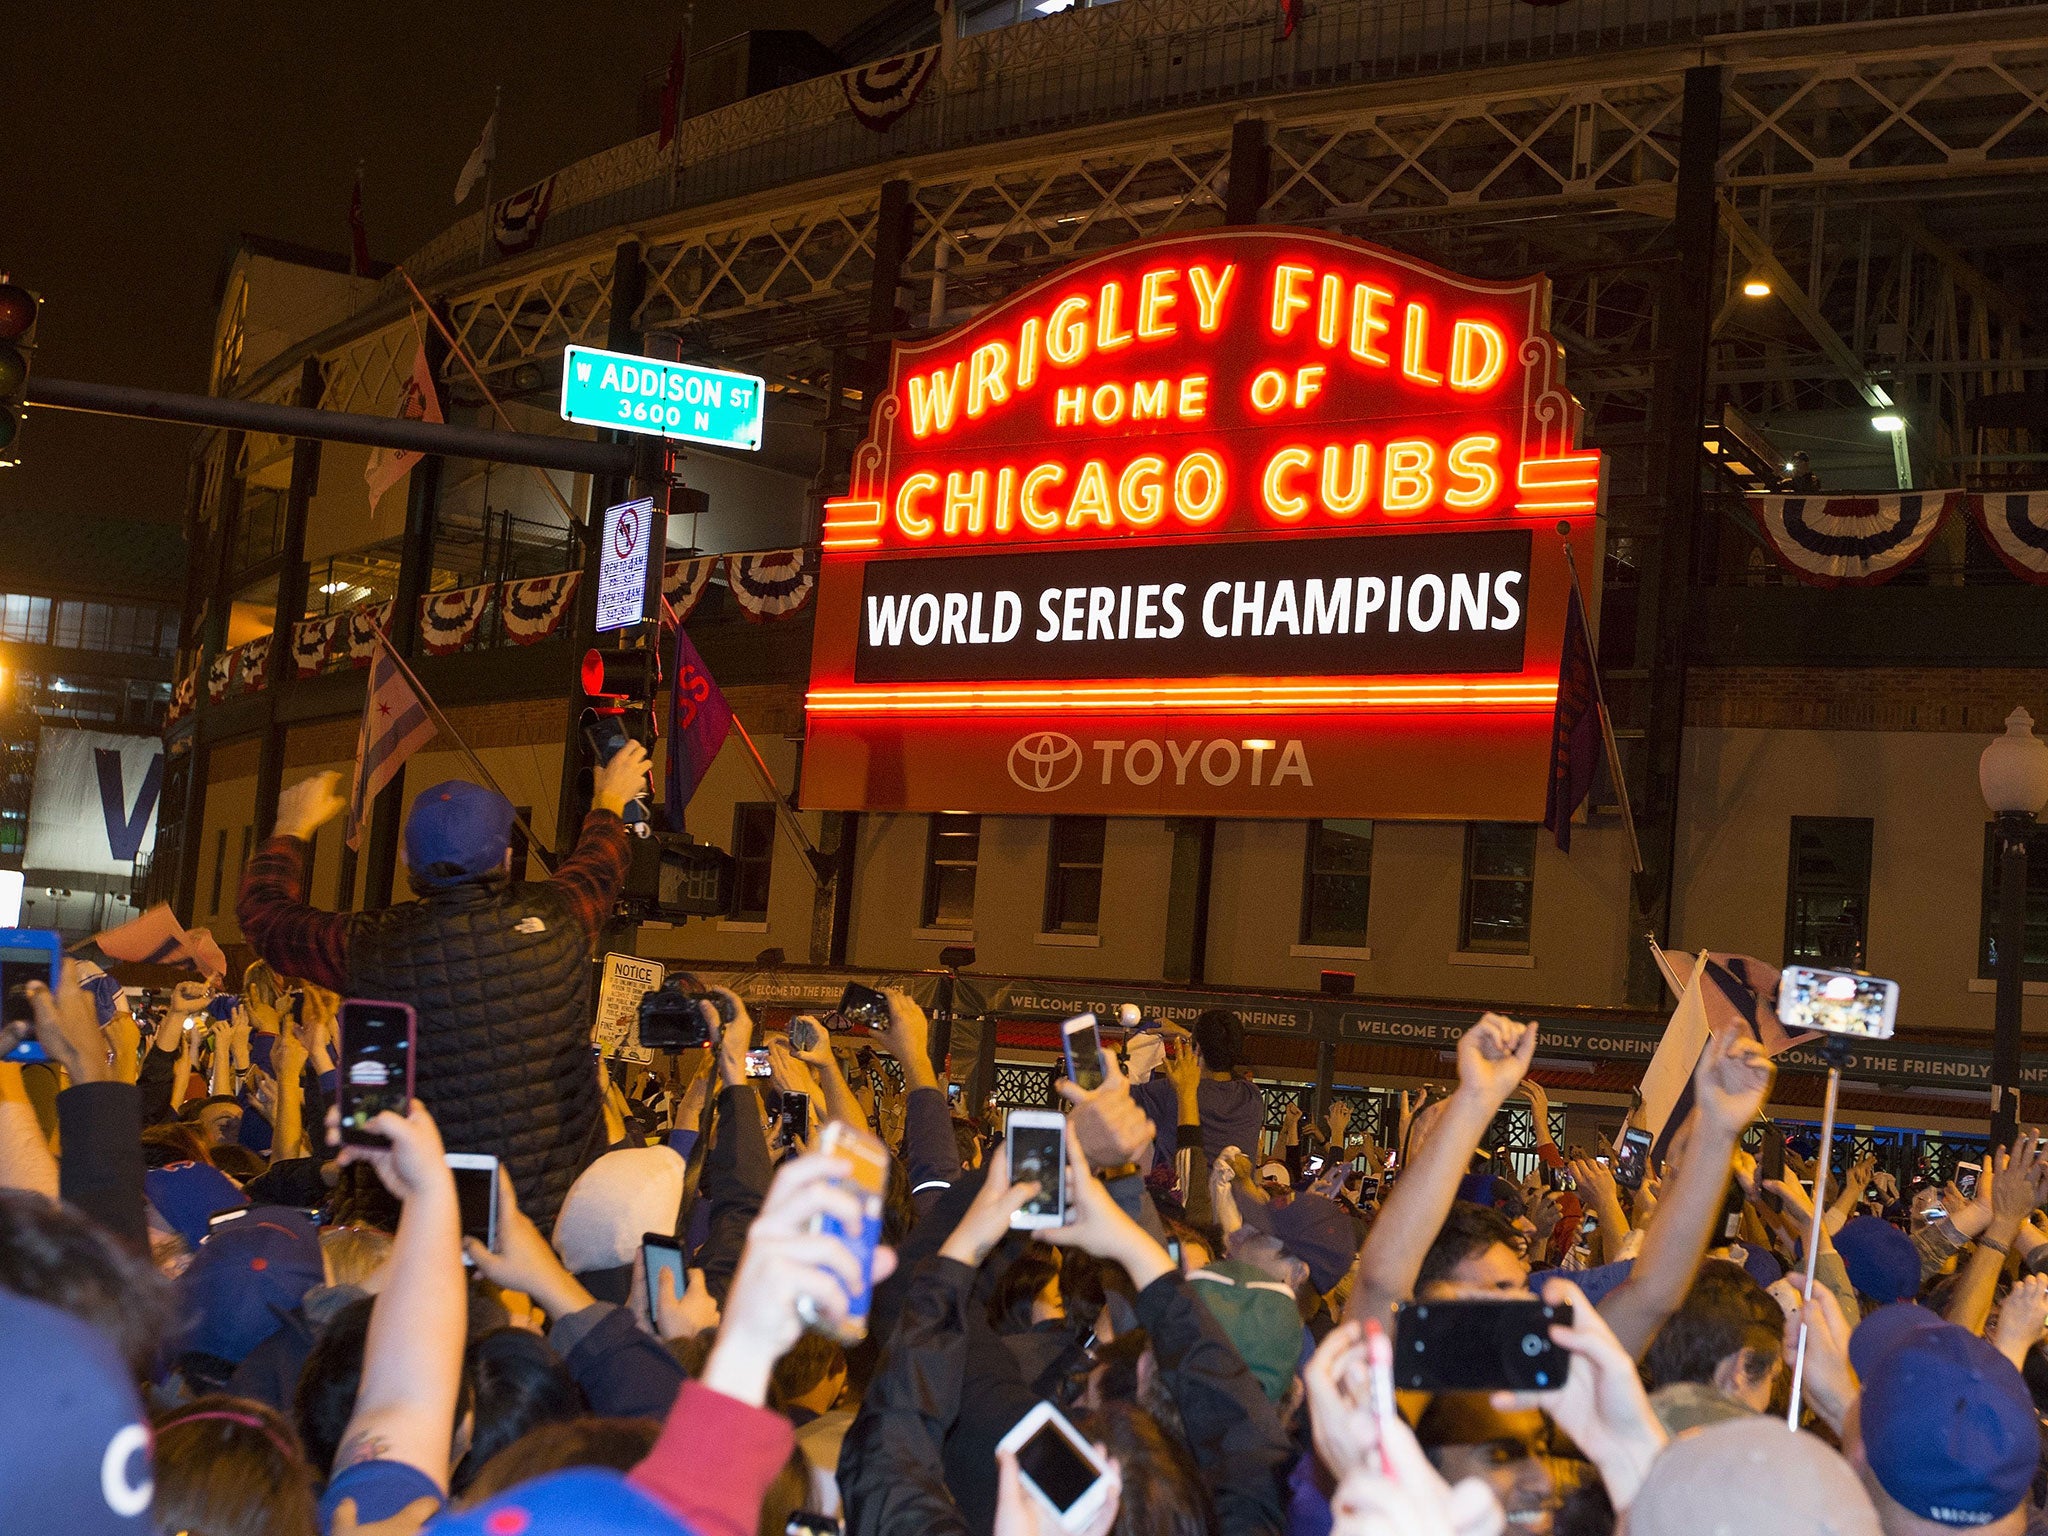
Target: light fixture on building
[1887,422]
[1755,287]
[331,587]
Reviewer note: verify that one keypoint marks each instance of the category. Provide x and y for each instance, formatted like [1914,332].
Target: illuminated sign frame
[1344,410]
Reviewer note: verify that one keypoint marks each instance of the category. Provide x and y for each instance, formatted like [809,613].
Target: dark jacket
[500,977]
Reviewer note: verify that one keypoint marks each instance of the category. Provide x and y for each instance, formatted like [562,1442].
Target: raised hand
[525,1261]
[67,1023]
[309,805]
[1019,1514]
[685,1314]
[906,1035]
[1830,1381]
[1111,1128]
[1731,1083]
[621,780]
[987,1220]
[1493,1056]
[412,1164]
[734,1039]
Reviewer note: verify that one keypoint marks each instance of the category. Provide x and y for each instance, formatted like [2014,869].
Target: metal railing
[1131,59]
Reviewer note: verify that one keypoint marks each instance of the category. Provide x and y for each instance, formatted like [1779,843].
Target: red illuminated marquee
[1212,383]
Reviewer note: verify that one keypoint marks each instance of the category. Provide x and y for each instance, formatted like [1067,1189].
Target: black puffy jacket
[499,975]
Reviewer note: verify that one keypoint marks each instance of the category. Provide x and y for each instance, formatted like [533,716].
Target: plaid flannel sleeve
[594,871]
[296,939]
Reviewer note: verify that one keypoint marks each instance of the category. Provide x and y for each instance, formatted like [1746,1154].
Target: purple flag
[1575,736]
[698,721]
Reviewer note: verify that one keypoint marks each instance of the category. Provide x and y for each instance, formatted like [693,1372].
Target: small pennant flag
[479,161]
[418,400]
[699,720]
[395,725]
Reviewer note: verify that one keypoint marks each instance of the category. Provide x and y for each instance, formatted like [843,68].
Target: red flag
[418,400]
[358,231]
[672,93]
[1290,17]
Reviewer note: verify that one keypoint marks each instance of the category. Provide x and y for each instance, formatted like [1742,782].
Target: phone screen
[1038,1155]
[1966,1179]
[757,1062]
[1084,1053]
[475,1194]
[1632,1158]
[26,955]
[795,1116]
[1840,1002]
[660,1257]
[1062,1473]
[1478,1346]
[376,1065]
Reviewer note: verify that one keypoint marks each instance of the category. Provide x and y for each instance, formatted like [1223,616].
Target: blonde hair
[354,1254]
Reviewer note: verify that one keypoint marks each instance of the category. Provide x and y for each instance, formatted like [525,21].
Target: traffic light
[672,878]
[18,310]
[619,689]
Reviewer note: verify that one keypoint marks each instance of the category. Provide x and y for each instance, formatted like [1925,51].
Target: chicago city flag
[395,725]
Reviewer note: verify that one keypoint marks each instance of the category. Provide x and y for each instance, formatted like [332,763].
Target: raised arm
[2017,1187]
[590,874]
[295,938]
[1492,1056]
[1729,1088]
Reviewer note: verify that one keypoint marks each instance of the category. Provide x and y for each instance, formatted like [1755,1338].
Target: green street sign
[679,400]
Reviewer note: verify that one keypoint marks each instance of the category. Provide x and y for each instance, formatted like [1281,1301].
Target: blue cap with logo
[250,1272]
[1882,1262]
[76,1455]
[456,831]
[585,1501]
[185,1194]
[1948,1425]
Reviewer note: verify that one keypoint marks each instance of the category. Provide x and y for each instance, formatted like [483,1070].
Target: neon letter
[1475,458]
[1155,298]
[1269,391]
[1066,333]
[966,502]
[1139,495]
[1409,481]
[988,376]
[1286,504]
[933,403]
[1043,519]
[1148,400]
[1027,353]
[1290,297]
[1414,346]
[1369,322]
[1308,383]
[1106,405]
[1479,355]
[1070,406]
[1091,497]
[908,518]
[1107,337]
[1191,402]
[1209,293]
[1330,309]
[1339,499]
[1198,487]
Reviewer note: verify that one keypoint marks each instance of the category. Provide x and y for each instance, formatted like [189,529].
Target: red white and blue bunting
[683,583]
[883,91]
[772,582]
[1830,541]
[2016,526]
[312,642]
[219,674]
[448,620]
[364,621]
[516,221]
[533,610]
[250,662]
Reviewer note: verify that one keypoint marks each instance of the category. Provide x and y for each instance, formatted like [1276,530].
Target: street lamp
[2013,773]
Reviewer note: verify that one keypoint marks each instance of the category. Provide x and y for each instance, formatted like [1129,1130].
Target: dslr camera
[670,1019]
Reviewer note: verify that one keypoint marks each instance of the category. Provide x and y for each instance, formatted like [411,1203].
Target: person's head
[1219,1037]
[51,1254]
[228,1466]
[217,1118]
[809,1377]
[1882,1262]
[1944,1435]
[355,1255]
[616,1202]
[326,1393]
[239,1163]
[457,833]
[1476,1253]
[245,1278]
[1261,1318]
[1754,1476]
[172,1142]
[1027,1292]
[1728,1333]
[184,1198]
[617,1444]
[1466,1436]
[1196,1247]
[520,1384]
[1163,1492]
[967,1142]
[77,1457]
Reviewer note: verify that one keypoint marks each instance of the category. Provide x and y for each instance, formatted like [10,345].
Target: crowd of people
[218,1319]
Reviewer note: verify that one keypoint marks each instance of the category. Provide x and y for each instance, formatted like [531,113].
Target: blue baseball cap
[185,1194]
[583,1501]
[248,1274]
[1948,1426]
[456,831]
[1881,1260]
[1597,1281]
[78,1446]
[1316,1230]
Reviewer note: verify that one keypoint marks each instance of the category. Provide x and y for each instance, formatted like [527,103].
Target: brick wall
[1975,701]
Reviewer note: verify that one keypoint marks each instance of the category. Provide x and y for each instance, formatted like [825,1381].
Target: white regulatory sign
[622,568]
[617,1030]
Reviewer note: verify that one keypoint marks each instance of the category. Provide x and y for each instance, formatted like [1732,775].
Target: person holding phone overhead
[497,971]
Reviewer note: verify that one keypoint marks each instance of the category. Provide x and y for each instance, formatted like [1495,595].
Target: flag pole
[783,814]
[1628,816]
[675,143]
[547,856]
[483,240]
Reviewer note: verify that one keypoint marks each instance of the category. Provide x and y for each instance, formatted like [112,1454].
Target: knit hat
[1259,1315]
[616,1202]
[1751,1476]
[1881,1260]
[77,1456]
[247,1275]
[456,831]
[1948,1426]
[185,1194]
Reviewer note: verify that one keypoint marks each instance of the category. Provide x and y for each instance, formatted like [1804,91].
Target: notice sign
[1249,522]
[622,566]
[680,400]
[617,1030]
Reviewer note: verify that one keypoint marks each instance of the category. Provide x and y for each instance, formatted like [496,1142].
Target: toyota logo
[1045,761]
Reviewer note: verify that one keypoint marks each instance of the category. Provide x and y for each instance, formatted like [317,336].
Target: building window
[753,856]
[950,855]
[1336,883]
[220,867]
[2035,953]
[24,618]
[1500,886]
[1073,874]
[1827,892]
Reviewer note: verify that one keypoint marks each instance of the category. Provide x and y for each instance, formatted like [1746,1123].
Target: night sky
[141,143]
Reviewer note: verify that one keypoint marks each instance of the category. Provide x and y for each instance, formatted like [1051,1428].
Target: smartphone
[1770,1164]
[660,1257]
[1967,1175]
[476,1195]
[804,1034]
[1038,1154]
[220,1219]
[26,955]
[1632,1158]
[869,1160]
[1058,1466]
[794,1116]
[376,1066]
[1312,1167]
[1838,1002]
[953,1092]
[757,1062]
[1084,1052]
[863,1005]
[1479,1346]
